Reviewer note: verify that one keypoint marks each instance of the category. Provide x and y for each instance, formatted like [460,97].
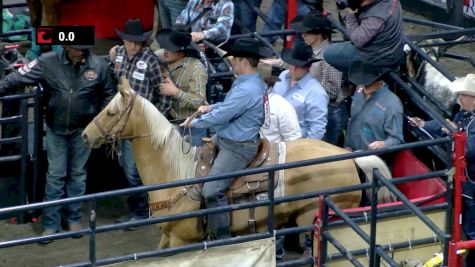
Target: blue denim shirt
[377,119]
[310,101]
[465,122]
[240,116]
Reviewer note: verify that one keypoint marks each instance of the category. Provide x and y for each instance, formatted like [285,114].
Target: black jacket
[72,95]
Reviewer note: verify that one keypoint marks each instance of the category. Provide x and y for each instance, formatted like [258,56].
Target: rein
[193,116]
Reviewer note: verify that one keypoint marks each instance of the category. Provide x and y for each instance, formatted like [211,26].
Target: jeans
[169,10]
[66,154]
[232,156]
[197,135]
[337,121]
[341,55]
[246,14]
[468,222]
[277,15]
[138,202]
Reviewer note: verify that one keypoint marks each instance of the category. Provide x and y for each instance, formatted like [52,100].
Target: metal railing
[24,156]
[11,33]
[377,251]
[93,229]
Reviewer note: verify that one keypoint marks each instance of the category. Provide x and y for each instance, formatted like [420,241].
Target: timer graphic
[44,35]
[65,35]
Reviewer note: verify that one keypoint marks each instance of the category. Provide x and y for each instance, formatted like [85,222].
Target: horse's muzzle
[85,139]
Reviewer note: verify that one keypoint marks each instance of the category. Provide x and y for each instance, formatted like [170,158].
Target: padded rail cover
[407,164]
[106,15]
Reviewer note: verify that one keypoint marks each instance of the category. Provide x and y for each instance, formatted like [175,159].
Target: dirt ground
[67,251]
[117,243]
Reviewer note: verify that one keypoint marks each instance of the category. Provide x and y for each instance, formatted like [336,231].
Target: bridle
[114,137]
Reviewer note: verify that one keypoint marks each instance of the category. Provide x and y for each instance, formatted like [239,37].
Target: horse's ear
[124,87]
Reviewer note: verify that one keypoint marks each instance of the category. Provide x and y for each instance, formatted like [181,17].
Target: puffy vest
[386,48]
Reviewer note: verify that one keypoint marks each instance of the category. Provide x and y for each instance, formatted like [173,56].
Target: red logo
[44,36]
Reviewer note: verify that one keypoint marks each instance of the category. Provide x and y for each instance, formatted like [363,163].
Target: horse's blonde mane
[164,134]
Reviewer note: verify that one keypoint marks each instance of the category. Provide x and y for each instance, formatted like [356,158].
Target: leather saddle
[245,187]
[267,154]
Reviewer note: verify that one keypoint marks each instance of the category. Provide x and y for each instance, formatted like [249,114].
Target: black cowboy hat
[249,47]
[314,21]
[174,40]
[301,55]
[133,31]
[81,47]
[362,73]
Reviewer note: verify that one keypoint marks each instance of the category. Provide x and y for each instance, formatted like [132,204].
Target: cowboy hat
[174,40]
[249,47]
[133,31]
[464,85]
[301,55]
[81,47]
[362,73]
[315,22]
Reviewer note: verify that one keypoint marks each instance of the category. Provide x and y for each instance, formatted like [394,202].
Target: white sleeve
[289,122]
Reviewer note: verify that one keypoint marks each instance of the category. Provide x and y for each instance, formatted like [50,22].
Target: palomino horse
[159,158]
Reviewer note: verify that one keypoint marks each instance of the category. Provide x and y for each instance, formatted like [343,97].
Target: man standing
[464,120]
[376,112]
[305,93]
[375,32]
[169,11]
[77,85]
[237,121]
[316,32]
[140,66]
[277,15]
[214,25]
[188,77]
[283,122]
[245,14]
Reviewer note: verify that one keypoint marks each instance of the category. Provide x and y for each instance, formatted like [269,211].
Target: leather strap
[252,219]
[169,203]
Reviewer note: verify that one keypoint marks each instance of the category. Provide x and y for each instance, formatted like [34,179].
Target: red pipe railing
[291,14]
[460,141]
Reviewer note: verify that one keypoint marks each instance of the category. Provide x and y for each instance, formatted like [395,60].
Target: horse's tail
[367,165]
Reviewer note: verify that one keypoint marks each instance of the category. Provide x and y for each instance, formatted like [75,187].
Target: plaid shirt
[329,77]
[144,75]
[216,24]
[190,76]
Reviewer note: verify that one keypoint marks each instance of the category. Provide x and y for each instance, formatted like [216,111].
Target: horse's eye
[110,112]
